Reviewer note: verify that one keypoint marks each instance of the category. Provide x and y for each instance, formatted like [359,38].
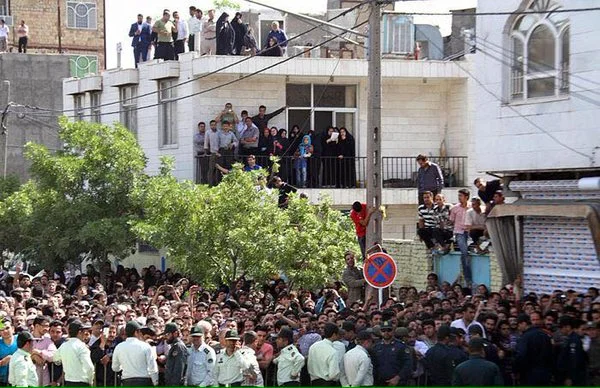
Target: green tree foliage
[8,185]
[78,204]
[218,233]
[222,5]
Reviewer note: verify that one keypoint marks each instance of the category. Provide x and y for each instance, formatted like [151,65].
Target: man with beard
[101,353]
[177,357]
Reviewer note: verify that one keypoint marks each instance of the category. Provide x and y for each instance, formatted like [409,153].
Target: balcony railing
[339,173]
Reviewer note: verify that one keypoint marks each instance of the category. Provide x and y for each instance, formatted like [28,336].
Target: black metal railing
[340,173]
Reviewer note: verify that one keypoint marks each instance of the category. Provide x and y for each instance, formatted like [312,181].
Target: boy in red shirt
[361,217]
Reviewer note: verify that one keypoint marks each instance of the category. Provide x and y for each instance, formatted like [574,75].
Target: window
[4,8]
[79,106]
[319,106]
[82,65]
[539,43]
[95,109]
[129,108]
[81,15]
[167,112]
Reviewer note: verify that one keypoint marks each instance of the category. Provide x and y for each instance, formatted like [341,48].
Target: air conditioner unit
[398,34]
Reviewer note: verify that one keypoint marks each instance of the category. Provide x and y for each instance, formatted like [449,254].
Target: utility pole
[58,22]
[3,128]
[374,168]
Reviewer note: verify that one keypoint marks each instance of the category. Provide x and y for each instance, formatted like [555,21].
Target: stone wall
[414,265]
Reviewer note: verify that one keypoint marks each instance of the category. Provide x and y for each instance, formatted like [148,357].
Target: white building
[538,125]
[425,110]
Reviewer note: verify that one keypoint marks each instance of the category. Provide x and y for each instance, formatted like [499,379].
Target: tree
[78,204]
[226,4]
[219,233]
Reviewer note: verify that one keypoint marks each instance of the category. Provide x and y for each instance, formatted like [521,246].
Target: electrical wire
[494,13]
[321,25]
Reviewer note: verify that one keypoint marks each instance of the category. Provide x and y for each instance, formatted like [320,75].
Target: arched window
[539,45]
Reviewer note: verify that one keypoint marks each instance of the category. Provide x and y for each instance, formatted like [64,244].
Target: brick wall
[414,265]
[42,16]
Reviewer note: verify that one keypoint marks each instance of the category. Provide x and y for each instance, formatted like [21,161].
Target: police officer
[392,361]
[477,372]
[572,361]
[177,356]
[201,360]
[21,369]
[533,355]
[290,361]
[230,363]
[491,351]
[441,359]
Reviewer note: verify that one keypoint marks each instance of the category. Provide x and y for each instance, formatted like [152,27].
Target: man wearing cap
[43,349]
[358,367]
[534,354]
[135,359]
[477,372]
[21,369]
[572,359]
[323,361]
[391,359]
[177,356]
[290,361]
[490,350]
[441,359]
[74,355]
[230,363]
[201,360]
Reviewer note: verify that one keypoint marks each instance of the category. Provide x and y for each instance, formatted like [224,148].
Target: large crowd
[118,326]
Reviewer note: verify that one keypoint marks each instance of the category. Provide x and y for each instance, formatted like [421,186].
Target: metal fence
[340,173]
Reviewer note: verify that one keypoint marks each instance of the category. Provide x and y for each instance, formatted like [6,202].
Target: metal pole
[119,49]
[58,27]
[4,130]
[380,292]
[374,180]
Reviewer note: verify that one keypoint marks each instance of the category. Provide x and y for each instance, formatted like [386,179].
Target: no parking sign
[380,270]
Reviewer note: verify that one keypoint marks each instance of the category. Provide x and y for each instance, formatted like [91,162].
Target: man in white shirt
[230,362]
[201,360]
[475,220]
[357,363]
[74,355]
[208,45]
[21,369]
[23,35]
[182,34]
[3,36]
[290,361]
[252,375]
[323,362]
[135,359]
[468,319]
[195,26]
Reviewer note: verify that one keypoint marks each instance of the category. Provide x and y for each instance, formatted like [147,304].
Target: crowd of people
[110,327]
[172,34]
[306,158]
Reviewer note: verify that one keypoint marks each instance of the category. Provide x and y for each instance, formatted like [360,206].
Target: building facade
[72,27]
[425,110]
[537,125]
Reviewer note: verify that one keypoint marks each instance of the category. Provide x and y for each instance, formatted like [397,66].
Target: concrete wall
[454,43]
[414,265]
[41,17]
[34,80]
[508,141]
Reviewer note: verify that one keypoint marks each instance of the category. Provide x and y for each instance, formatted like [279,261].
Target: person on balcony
[427,220]
[142,38]
[346,160]
[429,177]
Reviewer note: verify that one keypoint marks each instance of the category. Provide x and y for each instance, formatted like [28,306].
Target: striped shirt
[427,215]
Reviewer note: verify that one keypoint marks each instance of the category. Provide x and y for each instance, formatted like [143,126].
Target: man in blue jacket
[141,34]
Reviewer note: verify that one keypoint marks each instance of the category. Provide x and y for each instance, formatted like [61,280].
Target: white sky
[121,13]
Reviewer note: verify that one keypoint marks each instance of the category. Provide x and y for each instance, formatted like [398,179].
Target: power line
[220,85]
[207,74]
[512,108]
[493,13]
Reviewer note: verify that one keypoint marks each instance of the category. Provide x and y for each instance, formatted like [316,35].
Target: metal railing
[350,172]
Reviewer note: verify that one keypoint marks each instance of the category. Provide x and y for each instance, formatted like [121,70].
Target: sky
[120,14]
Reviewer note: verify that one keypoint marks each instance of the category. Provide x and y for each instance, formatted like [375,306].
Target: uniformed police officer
[477,372]
[177,357]
[572,361]
[290,361]
[392,362]
[230,363]
[534,354]
[201,360]
[441,359]
[21,369]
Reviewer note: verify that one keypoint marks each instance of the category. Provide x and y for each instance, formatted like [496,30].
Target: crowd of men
[306,158]
[124,327]
[173,34]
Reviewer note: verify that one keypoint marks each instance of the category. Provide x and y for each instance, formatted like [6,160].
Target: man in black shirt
[261,120]
[284,191]
[487,189]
